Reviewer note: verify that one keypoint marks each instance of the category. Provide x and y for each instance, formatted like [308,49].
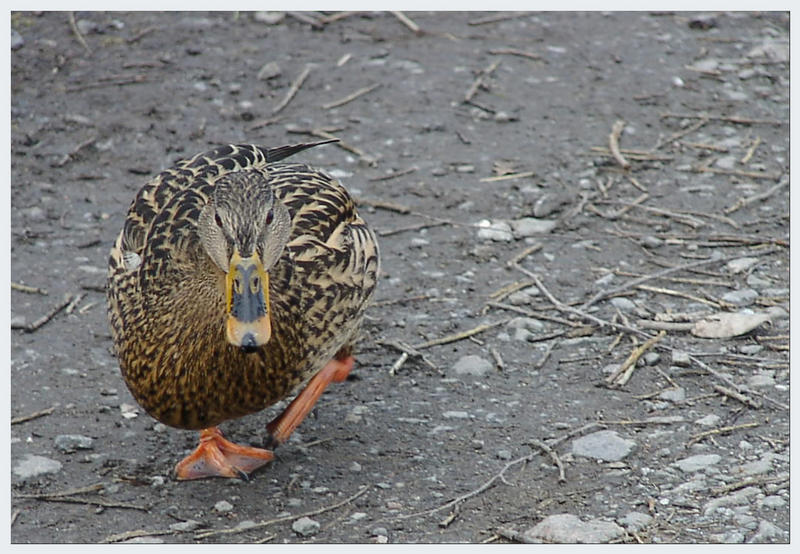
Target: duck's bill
[248,325]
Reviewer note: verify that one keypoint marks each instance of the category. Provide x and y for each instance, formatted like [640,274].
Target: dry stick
[69,492]
[459,336]
[531,313]
[750,151]
[621,375]
[119,537]
[640,155]
[508,176]
[671,292]
[535,247]
[90,502]
[137,37]
[345,146]
[351,97]
[730,119]
[515,52]
[686,280]
[665,325]
[34,415]
[33,326]
[553,455]
[389,206]
[492,19]
[479,80]
[738,396]
[680,134]
[719,431]
[663,273]
[713,147]
[417,227]
[613,144]
[743,202]
[74,302]
[511,288]
[268,522]
[133,79]
[737,172]
[684,219]
[26,288]
[306,18]
[750,481]
[74,26]
[394,175]
[405,20]
[293,89]
[69,155]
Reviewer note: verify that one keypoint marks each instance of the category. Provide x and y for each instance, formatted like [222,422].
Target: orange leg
[216,456]
[284,425]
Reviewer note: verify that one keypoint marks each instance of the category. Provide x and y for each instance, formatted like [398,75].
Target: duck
[237,279]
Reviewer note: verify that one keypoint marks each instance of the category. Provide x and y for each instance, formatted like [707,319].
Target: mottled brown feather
[167,310]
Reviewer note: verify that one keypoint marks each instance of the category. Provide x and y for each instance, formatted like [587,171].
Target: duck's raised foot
[216,456]
[283,426]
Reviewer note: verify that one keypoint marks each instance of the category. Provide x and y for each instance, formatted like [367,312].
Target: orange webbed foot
[216,456]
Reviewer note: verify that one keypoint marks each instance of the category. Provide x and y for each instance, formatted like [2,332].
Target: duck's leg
[216,456]
[284,425]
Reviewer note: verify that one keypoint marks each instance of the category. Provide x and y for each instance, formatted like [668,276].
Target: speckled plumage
[167,300]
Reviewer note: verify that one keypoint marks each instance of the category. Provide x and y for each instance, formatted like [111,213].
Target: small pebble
[17,41]
[681,358]
[624,305]
[377,531]
[269,70]
[71,443]
[710,420]
[305,527]
[697,463]
[355,467]
[504,454]
[472,365]
[531,226]
[498,231]
[674,395]
[455,414]
[773,502]
[223,507]
[35,466]
[635,521]
[568,528]
[743,297]
[650,241]
[603,445]
[185,526]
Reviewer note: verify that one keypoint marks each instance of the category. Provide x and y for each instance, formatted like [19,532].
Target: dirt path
[480,149]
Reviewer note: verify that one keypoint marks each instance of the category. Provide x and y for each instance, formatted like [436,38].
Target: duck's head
[243,229]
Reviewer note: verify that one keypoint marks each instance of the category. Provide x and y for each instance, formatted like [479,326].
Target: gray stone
[549,203]
[528,323]
[455,414]
[650,241]
[472,365]
[623,304]
[223,507]
[773,501]
[697,463]
[681,358]
[504,454]
[17,41]
[756,467]
[185,526]
[34,466]
[741,264]
[269,18]
[737,498]
[603,445]
[635,521]
[732,537]
[768,532]
[71,443]
[708,421]
[674,395]
[652,358]
[355,467]
[379,531]
[568,528]
[761,380]
[305,526]
[750,349]
[269,70]
[726,162]
[498,231]
[532,226]
[743,297]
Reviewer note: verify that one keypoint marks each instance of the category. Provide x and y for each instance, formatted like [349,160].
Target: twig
[671,292]
[737,172]
[613,144]
[508,176]
[60,494]
[351,97]
[621,376]
[74,302]
[110,82]
[268,522]
[492,19]
[137,37]
[515,52]
[70,155]
[405,20]
[458,336]
[407,351]
[730,119]
[416,227]
[719,431]
[738,396]
[119,537]
[497,359]
[750,151]
[663,273]
[748,482]
[535,247]
[390,206]
[26,288]
[371,160]
[35,325]
[394,175]
[553,455]
[307,18]
[479,80]
[74,26]
[743,202]
[675,136]
[34,415]
[293,89]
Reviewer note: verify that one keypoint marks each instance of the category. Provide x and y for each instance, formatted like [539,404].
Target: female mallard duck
[234,280]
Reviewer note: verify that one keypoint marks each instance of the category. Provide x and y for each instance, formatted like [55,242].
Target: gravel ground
[581,332]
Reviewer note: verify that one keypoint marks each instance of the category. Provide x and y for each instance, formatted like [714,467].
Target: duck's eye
[269,217]
[218,220]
